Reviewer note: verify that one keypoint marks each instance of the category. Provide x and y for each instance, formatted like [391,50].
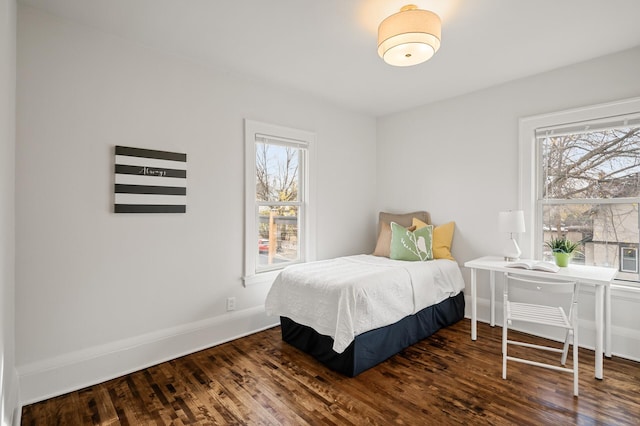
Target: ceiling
[327,48]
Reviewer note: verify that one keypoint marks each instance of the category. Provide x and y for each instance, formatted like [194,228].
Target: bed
[353,312]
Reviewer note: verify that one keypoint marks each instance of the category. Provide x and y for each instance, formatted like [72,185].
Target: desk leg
[492,307]
[607,321]
[599,332]
[474,329]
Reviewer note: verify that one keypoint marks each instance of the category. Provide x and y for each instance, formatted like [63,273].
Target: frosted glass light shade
[511,221]
[409,37]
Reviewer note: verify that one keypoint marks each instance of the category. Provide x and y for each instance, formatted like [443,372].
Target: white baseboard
[72,371]
[625,342]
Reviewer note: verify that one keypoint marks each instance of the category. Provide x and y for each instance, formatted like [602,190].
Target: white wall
[8,376]
[459,159]
[100,294]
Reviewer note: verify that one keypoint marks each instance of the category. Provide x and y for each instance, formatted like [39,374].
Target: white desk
[592,275]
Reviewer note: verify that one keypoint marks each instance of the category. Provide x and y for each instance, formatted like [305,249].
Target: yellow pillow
[442,238]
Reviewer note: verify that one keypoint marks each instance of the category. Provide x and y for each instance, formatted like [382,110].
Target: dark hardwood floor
[444,379]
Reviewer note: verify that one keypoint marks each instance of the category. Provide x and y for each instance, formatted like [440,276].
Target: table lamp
[512,222]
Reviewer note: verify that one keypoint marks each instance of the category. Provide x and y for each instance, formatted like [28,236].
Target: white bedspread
[347,296]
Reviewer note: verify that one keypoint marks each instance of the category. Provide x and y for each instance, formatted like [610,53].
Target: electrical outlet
[231,303]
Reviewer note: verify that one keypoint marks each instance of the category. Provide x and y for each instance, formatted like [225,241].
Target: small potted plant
[563,250]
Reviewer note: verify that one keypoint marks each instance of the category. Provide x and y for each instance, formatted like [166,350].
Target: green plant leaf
[562,245]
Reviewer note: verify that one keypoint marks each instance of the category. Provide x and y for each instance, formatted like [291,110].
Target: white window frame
[622,259]
[528,172]
[254,131]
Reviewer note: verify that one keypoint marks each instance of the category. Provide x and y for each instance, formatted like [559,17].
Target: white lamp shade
[409,37]
[511,221]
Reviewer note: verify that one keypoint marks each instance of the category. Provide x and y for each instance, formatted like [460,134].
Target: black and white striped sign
[150,181]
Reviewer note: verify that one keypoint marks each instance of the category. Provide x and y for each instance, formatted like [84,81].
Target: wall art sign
[150,181]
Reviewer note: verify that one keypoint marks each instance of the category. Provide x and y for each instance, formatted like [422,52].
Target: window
[629,259]
[278,209]
[581,180]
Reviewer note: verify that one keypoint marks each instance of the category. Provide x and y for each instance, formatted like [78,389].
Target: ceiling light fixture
[409,37]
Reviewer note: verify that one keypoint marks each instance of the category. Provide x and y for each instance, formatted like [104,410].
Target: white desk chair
[516,309]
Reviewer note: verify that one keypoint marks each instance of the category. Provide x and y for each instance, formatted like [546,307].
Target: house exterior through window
[583,183]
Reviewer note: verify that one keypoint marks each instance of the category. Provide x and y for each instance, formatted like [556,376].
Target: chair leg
[504,350]
[575,361]
[565,351]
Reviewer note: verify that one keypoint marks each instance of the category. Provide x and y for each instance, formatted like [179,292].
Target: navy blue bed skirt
[373,347]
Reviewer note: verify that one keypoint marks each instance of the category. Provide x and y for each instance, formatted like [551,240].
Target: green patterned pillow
[408,245]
